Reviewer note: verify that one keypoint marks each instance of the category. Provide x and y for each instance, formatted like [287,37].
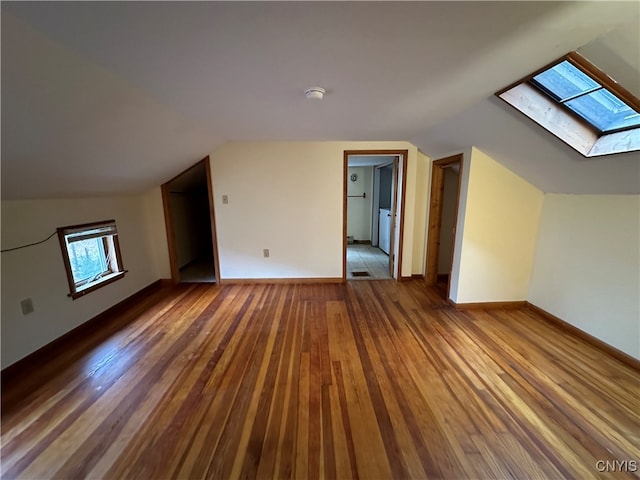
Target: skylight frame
[565,123]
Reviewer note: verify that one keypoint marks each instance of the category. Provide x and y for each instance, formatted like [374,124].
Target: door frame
[435,217]
[394,215]
[400,177]
[169,227]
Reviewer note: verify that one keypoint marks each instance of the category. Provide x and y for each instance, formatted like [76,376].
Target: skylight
[580,93]
[581,105]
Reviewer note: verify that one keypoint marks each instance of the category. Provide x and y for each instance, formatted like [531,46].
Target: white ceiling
[117,97]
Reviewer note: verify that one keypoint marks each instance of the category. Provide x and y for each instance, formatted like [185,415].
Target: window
[568,85]
[91,255]
[581,105]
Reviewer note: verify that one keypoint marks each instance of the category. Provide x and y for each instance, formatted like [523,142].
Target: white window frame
[107,233]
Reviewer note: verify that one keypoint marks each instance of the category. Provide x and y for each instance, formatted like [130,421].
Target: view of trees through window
[87,258]
[91,255]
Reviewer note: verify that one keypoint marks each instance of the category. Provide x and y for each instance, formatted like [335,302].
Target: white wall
[587,266]
[38,272]
[359,212]
[288,197]
[497,242]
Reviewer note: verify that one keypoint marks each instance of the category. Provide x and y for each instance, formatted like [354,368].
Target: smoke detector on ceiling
[315,93]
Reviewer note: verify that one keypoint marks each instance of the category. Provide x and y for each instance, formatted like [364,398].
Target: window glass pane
[564,81]
[91,255]
[87,258]
[604,111]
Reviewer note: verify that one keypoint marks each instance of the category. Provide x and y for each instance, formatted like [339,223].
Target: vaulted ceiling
[117,97]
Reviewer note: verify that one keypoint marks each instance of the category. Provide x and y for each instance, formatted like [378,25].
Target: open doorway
[373,206]
[443,217]
[190,224]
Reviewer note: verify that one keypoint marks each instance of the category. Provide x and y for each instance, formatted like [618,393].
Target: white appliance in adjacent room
[384,230]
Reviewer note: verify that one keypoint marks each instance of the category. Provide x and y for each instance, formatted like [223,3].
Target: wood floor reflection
[359,380]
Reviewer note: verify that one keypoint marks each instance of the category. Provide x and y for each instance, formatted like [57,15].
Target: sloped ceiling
[117,97]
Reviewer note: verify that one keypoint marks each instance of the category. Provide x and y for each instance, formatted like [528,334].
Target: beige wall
[501,217]
[421,213]
[587,266]
[38,272]
[156,231]
[287,197]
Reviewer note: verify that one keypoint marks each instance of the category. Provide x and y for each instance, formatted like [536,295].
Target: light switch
[225,199]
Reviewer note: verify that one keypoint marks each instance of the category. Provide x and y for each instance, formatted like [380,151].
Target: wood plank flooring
[368,380]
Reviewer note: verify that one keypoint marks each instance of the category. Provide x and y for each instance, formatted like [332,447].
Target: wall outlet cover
[27,306]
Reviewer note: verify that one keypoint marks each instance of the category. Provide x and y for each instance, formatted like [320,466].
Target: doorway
[373,213]
[443,217]
[190,223]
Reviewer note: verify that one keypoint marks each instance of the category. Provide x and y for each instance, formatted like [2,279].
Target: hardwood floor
[363,380]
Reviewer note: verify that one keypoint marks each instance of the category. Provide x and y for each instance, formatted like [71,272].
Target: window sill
[106,280]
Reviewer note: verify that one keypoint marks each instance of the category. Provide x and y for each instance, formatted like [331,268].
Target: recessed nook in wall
[190,225]
[443,219]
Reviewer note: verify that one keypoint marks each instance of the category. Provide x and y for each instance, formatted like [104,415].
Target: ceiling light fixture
[315,93]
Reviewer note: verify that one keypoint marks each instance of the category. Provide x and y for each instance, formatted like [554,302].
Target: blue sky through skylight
[587,98]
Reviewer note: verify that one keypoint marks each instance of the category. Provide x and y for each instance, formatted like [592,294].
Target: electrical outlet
[265,252]
[225,199]
[27,306]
